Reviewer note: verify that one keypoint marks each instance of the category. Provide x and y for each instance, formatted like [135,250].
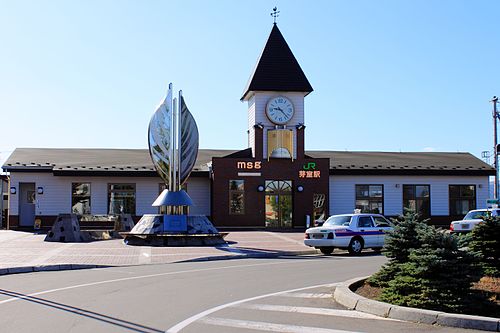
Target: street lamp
[496,116]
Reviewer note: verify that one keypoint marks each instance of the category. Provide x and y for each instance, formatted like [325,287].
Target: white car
[473,218]
[353,232]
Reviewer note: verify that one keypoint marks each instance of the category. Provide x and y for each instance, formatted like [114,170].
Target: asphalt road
[290,294]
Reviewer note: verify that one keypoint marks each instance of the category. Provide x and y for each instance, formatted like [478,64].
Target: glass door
[279,207]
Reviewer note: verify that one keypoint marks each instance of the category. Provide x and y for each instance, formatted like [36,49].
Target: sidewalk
[24,249]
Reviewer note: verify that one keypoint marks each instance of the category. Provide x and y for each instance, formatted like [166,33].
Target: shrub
[485,241]
[398,245]
[437,275]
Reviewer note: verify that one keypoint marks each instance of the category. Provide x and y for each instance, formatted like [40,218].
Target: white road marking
[308,295]
[311,310]
[190,320]
[257,325]
[139,277]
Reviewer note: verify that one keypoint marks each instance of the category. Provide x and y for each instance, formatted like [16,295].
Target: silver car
[473,218]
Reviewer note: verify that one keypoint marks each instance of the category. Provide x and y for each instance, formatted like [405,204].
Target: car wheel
[326,250]
[355,246]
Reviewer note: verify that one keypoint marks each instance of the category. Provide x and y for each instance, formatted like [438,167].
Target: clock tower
[273,183]
[275,94]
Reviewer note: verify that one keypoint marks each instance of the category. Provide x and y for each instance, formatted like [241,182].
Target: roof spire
[275,14]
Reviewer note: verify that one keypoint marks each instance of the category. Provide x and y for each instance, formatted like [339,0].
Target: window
[236,197]
[416,198]
[121,199]
[370,198]
[381,222]
[365,222]
[462,199]
[80,198]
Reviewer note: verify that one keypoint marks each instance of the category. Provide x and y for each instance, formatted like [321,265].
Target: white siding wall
[257,106]
[343,196]
[199,191]
[56,198]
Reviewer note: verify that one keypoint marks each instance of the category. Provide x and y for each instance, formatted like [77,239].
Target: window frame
[417,198]
[80,196]
[370,199]
[368,217]
[134,191]
[450,198]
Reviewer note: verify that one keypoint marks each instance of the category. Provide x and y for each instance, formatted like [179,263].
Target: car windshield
[338,220]
[476,215]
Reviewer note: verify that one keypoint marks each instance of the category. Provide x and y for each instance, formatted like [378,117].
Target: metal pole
[174,146]
[170,148]
[179,142]
[495,143]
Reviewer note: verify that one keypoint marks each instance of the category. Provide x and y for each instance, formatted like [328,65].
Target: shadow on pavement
[257,253]
[81,312]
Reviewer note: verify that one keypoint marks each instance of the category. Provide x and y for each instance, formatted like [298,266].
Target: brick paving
[20,249]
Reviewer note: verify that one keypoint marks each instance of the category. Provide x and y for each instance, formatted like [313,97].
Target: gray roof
[138,162]
[348,160]
[95,160]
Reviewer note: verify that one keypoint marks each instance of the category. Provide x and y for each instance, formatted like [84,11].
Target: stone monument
[173,146]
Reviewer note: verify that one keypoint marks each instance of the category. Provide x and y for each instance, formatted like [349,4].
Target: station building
[273,183]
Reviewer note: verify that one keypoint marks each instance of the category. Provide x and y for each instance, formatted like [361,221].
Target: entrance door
[26,204]
[279,207]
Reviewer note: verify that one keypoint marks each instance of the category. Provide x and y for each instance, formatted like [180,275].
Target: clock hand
[279,109]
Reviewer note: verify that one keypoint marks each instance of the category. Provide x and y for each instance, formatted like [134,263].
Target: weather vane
[275,13]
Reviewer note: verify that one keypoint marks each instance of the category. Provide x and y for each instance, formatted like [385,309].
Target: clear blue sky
[387,75]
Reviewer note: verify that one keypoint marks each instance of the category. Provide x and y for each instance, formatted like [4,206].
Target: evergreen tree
[437,276]
[398,244]
[485,241]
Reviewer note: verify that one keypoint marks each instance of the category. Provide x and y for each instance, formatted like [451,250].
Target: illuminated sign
[309,171]
[309,166]
[309,174]
[249,165]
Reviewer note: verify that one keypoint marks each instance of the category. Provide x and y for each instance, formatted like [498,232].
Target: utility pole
[495,143]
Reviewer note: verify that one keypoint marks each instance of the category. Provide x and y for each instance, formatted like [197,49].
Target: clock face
[279,110]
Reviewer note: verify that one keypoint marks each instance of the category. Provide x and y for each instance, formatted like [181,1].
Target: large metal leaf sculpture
[159,138]
[189,142]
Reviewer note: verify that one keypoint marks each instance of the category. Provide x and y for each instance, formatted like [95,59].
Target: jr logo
[309,166]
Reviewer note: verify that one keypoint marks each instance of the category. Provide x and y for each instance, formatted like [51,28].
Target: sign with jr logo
[309,166]
[309,171]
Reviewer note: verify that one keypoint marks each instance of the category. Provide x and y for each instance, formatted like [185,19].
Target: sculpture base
[154,230]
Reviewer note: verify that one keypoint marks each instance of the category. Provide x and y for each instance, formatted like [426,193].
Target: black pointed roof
[277,69]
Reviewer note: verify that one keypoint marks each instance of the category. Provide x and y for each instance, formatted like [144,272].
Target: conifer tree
[438,275]
[485,241]
[398,244]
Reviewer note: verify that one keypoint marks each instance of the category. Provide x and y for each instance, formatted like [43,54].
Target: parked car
[473,218]
[353,232]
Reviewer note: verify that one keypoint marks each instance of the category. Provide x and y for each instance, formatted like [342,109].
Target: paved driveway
[27,249]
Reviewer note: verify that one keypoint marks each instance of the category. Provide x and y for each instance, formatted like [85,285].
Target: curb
[344,296]
[66,267]
[45,268]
